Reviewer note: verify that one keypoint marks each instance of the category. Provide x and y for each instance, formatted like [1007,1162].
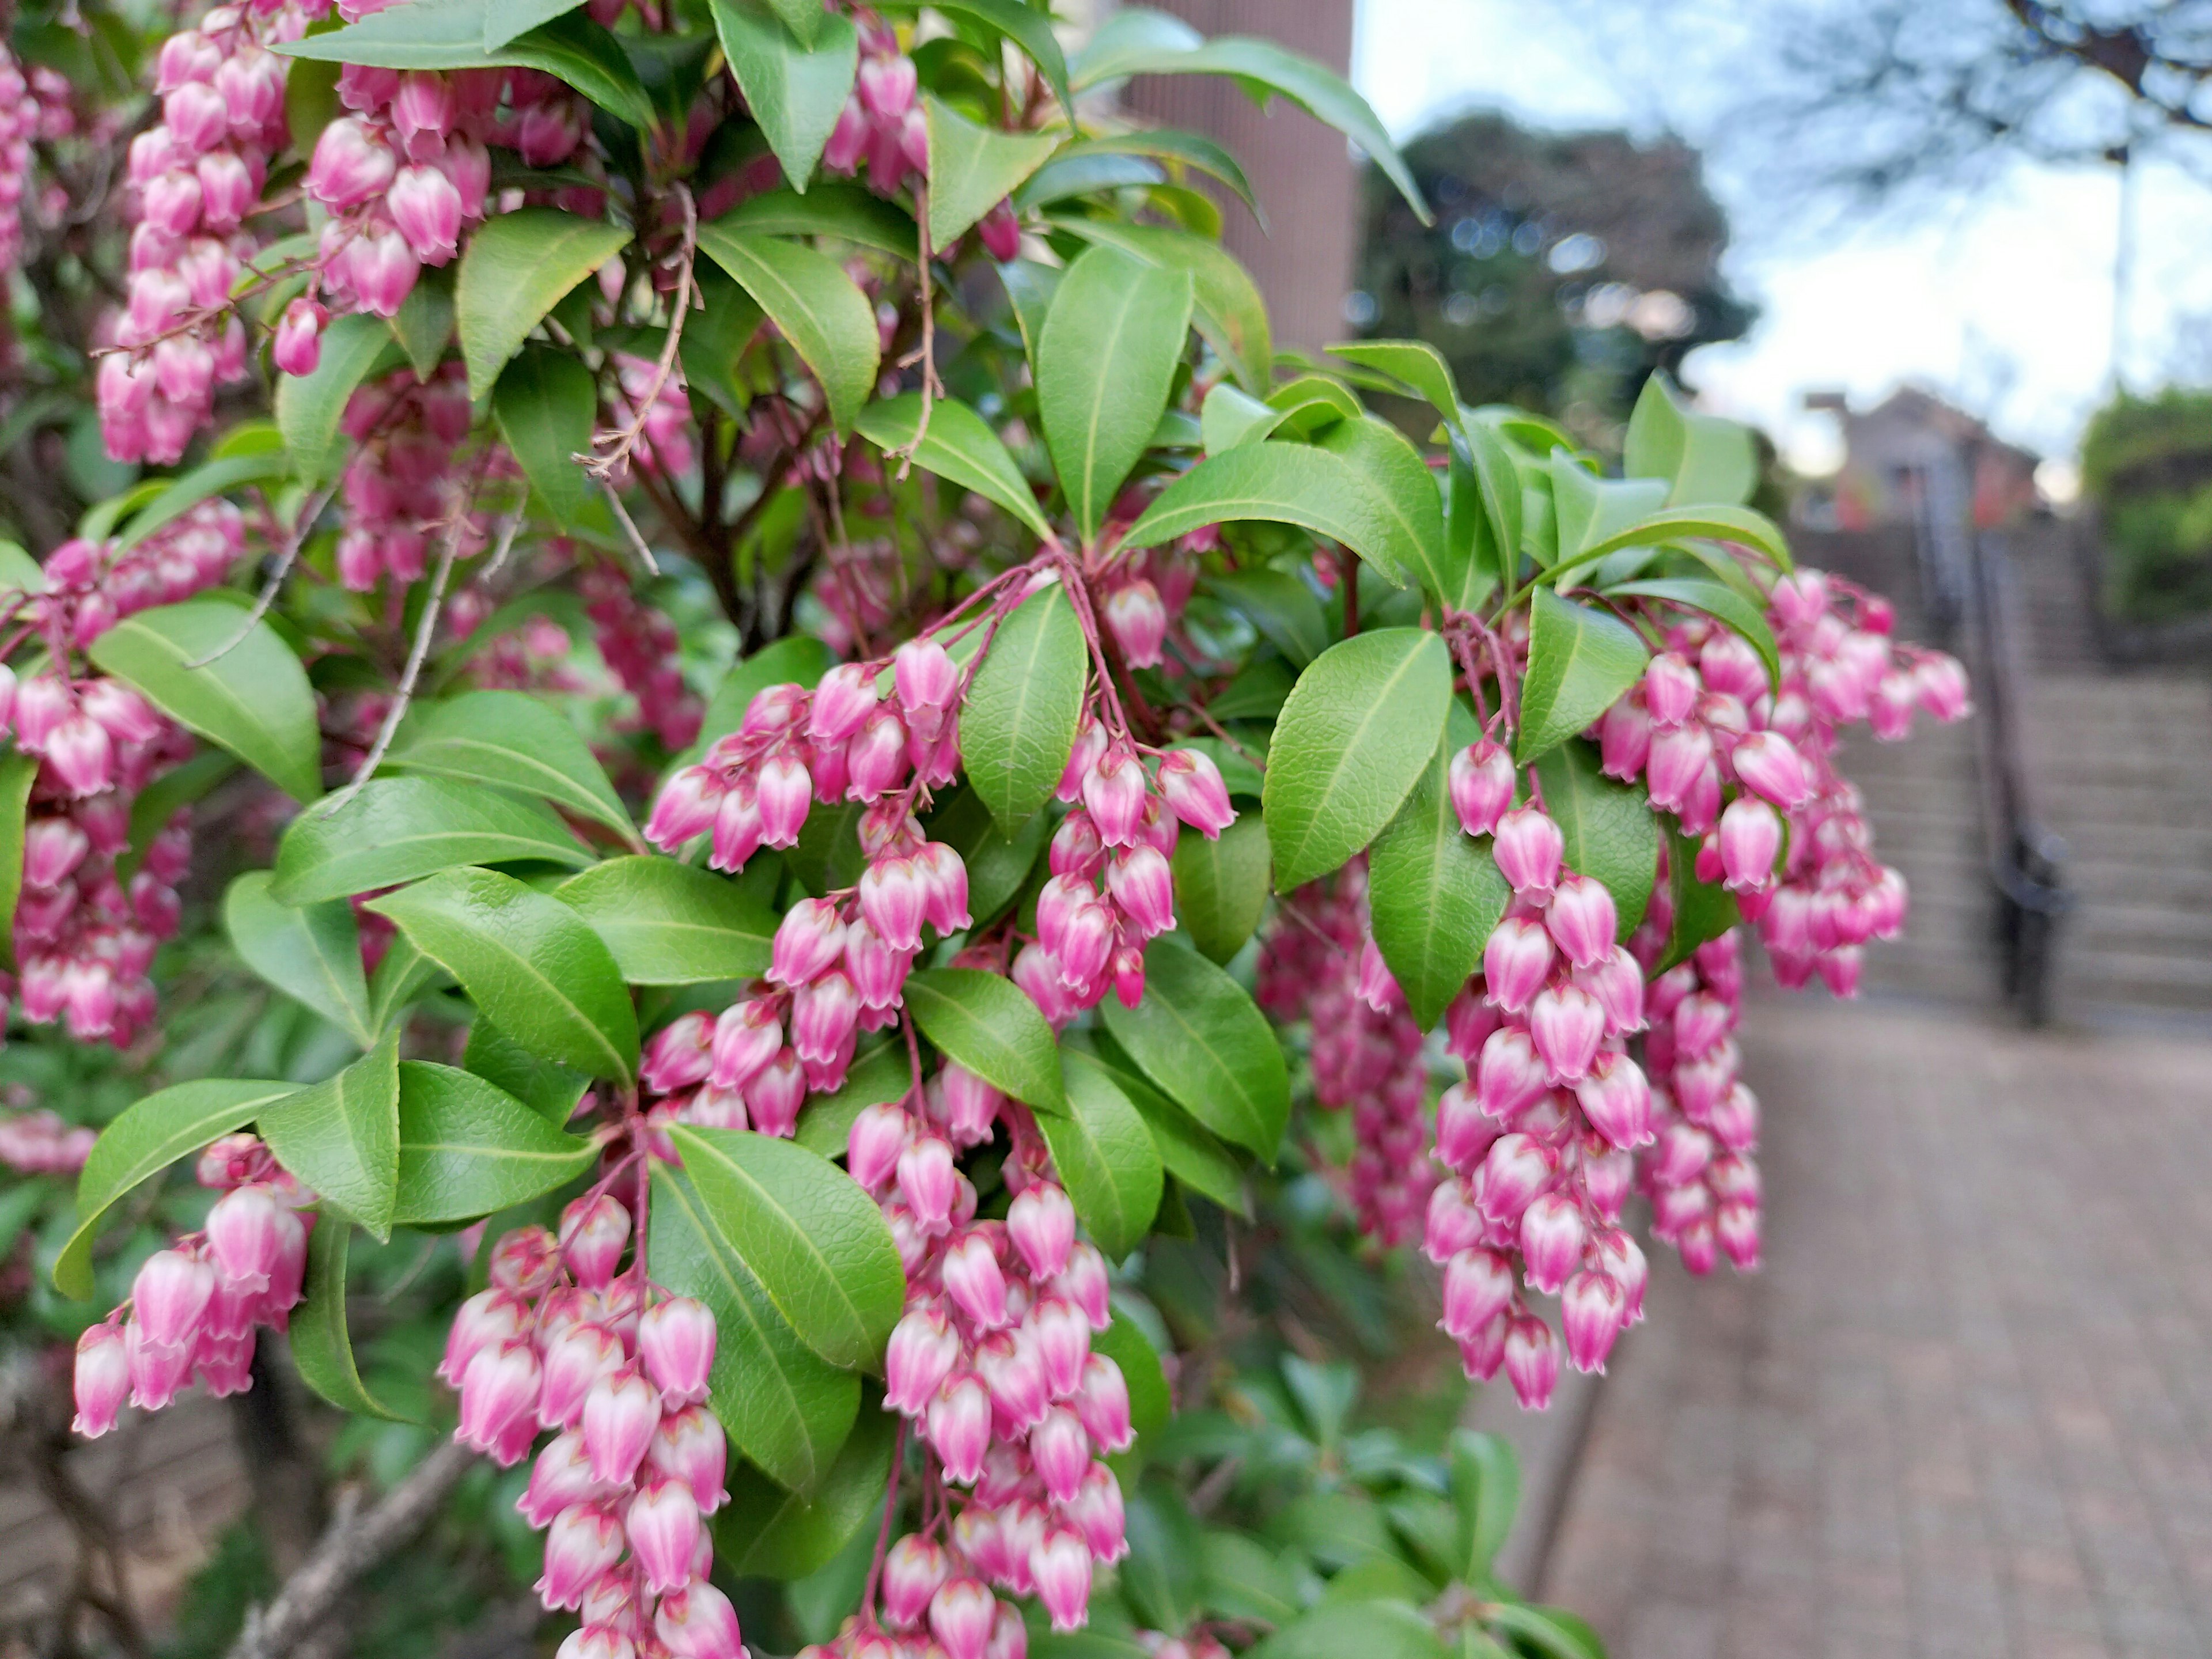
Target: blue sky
[2003,301]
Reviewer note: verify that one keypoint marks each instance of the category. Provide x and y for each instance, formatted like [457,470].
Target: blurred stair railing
[2027,860]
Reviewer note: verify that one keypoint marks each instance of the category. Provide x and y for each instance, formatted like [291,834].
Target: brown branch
[356,1543]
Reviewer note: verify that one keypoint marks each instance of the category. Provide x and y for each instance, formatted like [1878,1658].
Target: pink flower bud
[1735,1225]
[1768,762]
[689,1446]
[686,806]
[675,1343]
[560,1477]
[876,757]
[1481,782]
[913,1568]
[1192,784]
[1096,1512]
[423,106]
[102,1381]
[1040,1223]
[1552,1233]
[1532,1361]
[926,679]
[961,1614]
[426,208]
[1464,1130]
[1617,1100]
[1138,623]
[1941,684]
[1114,793]
[1734,1120]
[52,849]
[81,756]
[1510,1074]
[351,163]
[1701,1023]
[974,1281]
[620,1414]
[1062,1335]
[1750,837]
[383,270]
[246,1235]
[1086,947]
[1516,959]
[196,116]
[1059,1565]
[776,1092]
[485,1319]
[893,899]
[1623,740]
[1143,889]
[1089,747]
[808,943]
[583,1540]
[1566,1024]
[499,1400]
[1516,1169]
[926,1178]
[784,793]
[1592,1310]
[1618,984]
[844,699]
[299,344]
[886,86]
[1670,690]
[467,164]
[698,1622]
[824,1016]
[1061,1453]
[679,1055]
[873,1143]
[593,1232]
[959,1427]
[1129,970]
[847,139]
[1009,1366]
[663,1525]
[747,1038]
[1478,1286]
[1528,847]
[169,1295]
[1582,919]
[1102,1404]
[1084,1282]
[921,1353]
[1453,1223]
[596,1641]
[1680,756]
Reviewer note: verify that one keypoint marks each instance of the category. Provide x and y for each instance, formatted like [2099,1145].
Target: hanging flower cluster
[1700,1177]
[35,104]
[42,1143]
[399,485]
[639,645]
[194,1307]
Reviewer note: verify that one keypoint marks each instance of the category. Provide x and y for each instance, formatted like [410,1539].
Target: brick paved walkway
[1967,1409]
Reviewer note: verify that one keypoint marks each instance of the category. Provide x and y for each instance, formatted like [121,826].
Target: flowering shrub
[1097,781]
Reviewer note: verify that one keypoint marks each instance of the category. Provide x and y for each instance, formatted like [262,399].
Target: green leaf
[1242,1579]
[550,1089]
[403,974]
[1702,458]
[1150,1404]
[393,829]
[149,1135]
[1714,598]
[424,323]
[1328,402]
[802,17]
[1104,362]
[1407,492]
[1019,723]
[322,1347]
[1221,886]
[1360,727]
[310,952]
[1580,662]
[1106,1157]
[764,1531]
[180,494]
[795,92]
[1230,418]
[986,1023]
[784,1407]
[1262,66]
[18,771]
[813,303]
[1416,363]
[1159,1575]
[1283,483]
[1172,145]
[1497,487]
[1485,1489]
[160,802]
[528,962]
[1028,28]
[958,445]
[468,1148]
[1611,833]
[1229,313]
[1471,546]
[254,699]
[881,1075]
[546,403]
[972,168]
[512,740]
[1030,287]
[1373,1629]
[1703,910]
[1189,1151]
[795,659]
[341,1137]
[1433,893]
[849,212]
[1198,1038]
[1676,524]
[1278,605]
[310,406]
[517,267]
[503,22]
[1552,1632]
[669,924]
[997,864]
[812,1237]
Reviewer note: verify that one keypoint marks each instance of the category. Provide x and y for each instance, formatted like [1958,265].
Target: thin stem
[310,510]
[884,1533]
[927,352]
[620,444]
[636,540]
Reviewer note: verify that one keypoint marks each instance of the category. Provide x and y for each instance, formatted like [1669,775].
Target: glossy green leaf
[341,1137]
[1228,310]
[1242,1579]
[1231,418]
[1716,599]
[1611,833]
[468,1148]
[393,829]
[1406,490]
[794,90]
[321,1341]
[1416,363]
[812,1234]
[146,1138]
[815,306]
[1497,487]
[1373,1629]
[1221,886]
[986,1023]
[1285,484]
[1105,362]
[423,325]
[849,212]
[1702,458]
[1019,723]
[1188,1151]
[546,403]
[1150,1404]
[974,167]
[1486,1490]
[1703,910]
[1106,1157]
[877,1075]
[1548,1632]
[1201,1041]
[1580,661]
[1361,725]
[1159,1577]
[1030,286]
[1676,524]
[310,952]
[210,478]
[18,771]
[958,446]
[253,700]
[1176,147]
[765,1532]
[504,22]
[551,1090]
[1281,606]
[1471,546]
[1029,28]
[997,864]
[1312,403]
[528,962]
[403,974]
[310,406]
[1433,893]
[671,924]
[512,740]
[517,267]
[784,1407]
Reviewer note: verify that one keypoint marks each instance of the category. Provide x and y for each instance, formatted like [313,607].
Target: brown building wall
[1301,170]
